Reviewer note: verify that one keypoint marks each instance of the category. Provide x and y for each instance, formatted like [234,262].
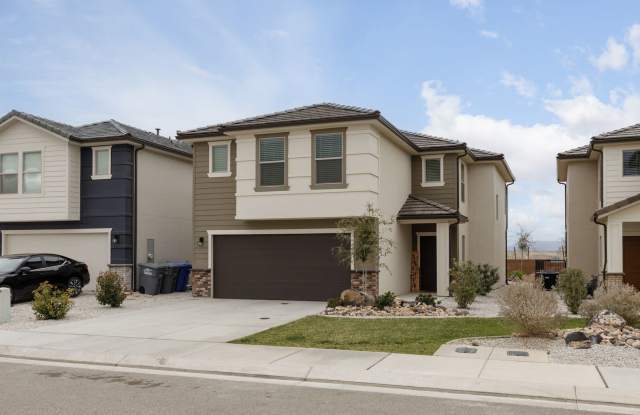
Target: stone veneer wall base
[126,273]
[371,282]
[201,282]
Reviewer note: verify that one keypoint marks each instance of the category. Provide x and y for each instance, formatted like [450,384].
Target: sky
[524,78]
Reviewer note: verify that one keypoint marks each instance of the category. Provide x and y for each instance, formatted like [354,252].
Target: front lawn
[402,335]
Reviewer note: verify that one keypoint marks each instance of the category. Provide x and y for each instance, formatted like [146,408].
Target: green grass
[415,336]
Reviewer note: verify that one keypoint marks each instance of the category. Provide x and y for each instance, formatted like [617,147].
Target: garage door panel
[90,248]
[278,267]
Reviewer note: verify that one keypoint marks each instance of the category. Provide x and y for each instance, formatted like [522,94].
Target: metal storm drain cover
[517,353]
[466,350]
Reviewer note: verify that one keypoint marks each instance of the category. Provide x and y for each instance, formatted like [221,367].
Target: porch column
[614,248]
[442,249]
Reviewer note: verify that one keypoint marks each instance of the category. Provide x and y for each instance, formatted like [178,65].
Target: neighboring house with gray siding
[100,193]
[270,190]
[602,205]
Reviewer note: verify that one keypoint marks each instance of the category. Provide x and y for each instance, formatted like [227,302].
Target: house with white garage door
[105,193]
[269,192]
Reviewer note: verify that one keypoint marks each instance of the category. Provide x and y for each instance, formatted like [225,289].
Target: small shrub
[385,300]
[333,303]
[488,277]
[532,309]
[428,299]
[51,303]
[623,300]
[572,288]
[464,283]
[516,276]
[109,289]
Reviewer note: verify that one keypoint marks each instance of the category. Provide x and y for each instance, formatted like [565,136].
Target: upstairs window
[328,158]
[32,172]
[631,163]
[220,159]
[101,163]
[272,162]
[9,173]
[432,171]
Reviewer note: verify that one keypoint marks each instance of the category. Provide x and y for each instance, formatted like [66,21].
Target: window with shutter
[272,162]
[631,163]
[328,158]
[220,159]
[432,171]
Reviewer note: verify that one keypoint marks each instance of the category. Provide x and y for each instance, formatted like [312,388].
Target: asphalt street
[40,389]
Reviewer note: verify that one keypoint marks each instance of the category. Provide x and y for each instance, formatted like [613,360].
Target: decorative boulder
[369,299]
[608,318]
[352,297]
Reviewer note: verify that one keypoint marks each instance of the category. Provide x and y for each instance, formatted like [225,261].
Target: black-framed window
[631,163]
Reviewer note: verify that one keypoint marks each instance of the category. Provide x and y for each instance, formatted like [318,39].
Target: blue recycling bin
[184,268]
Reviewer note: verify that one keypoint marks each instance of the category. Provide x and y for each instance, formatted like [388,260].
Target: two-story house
[269,190]
[106,193]
[602,205]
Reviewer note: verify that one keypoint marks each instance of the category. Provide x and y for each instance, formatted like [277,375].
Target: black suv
[24,273]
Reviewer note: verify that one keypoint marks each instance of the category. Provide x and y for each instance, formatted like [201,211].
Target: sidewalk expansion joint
[485,363]
[602,377]
[284,357]
[379,360]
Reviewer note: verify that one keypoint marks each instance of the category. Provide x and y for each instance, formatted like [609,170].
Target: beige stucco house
[269,191]
[602,201]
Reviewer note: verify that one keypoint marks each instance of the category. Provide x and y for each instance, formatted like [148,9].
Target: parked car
[24,273]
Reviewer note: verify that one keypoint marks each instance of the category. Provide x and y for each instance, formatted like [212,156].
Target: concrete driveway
[194,319]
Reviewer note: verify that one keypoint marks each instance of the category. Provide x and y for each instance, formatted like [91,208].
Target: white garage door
[92,248]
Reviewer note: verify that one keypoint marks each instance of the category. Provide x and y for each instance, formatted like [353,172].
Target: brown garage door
[278,267]
[631,260]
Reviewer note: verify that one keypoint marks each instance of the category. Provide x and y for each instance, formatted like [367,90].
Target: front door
[428,264]
[631,260]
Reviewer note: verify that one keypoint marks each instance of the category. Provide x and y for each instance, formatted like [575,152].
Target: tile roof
[618,205]
[578,152]
[416,207]
[630,132]
[111,129]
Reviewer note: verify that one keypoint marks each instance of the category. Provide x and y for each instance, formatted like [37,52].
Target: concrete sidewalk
[486,372]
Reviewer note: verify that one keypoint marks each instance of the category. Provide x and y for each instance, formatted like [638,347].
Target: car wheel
[75,285]
[11,293]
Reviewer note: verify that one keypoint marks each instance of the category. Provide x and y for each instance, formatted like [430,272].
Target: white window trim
[422,162]
[95,176]
[18,173]
[220,173]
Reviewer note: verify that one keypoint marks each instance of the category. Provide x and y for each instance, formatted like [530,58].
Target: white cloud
[633,38]
[521,85]
[466,4]
[489,34]
[614,57]
[530,149]
[580,85]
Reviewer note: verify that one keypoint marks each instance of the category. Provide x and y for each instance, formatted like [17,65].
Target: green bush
[428,299]
[516,275]
[110,290]
[488,277]
[465,279]
[385,300]
[51,303]
[572,288]
[334,302]
[623,300]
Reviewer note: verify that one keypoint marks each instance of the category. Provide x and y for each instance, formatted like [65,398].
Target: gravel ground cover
[601,355]
[86,307]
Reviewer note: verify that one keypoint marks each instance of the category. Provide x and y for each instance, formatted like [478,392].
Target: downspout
[506,230]
[595,216]
[134,220]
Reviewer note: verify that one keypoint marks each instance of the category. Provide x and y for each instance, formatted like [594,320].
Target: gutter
[595,215]
[134,231]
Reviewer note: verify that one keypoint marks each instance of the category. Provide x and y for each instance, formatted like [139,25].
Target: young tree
[364,238]
[563,249]
[524,241]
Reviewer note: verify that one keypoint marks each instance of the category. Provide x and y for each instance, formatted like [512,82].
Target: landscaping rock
[580,344]
[397,310]
[352,297]
[608,318]
[575,336]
